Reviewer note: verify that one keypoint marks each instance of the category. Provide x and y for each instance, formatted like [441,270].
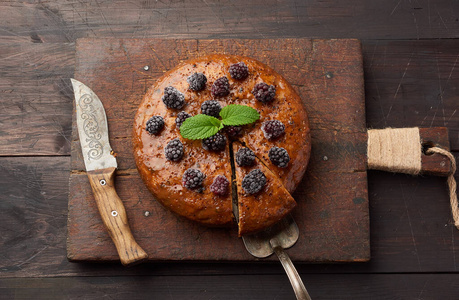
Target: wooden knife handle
[114,216]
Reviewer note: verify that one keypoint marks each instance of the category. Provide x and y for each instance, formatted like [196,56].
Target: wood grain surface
[356,286]
[327,74]
[401,207]
[410,58]
[65,21]
[38,95]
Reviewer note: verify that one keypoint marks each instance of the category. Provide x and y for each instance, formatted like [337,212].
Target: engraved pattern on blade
[90,127]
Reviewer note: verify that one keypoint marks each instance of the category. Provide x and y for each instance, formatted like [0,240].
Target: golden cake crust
[263,209]
[163,177]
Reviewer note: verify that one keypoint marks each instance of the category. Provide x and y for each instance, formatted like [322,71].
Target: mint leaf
[203,126]
[235,115]
[200,127]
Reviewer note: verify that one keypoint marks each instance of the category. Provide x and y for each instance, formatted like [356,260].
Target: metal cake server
[275,239]
[100,167]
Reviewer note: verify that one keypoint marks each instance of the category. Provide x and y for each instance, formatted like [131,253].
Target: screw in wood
[329,75]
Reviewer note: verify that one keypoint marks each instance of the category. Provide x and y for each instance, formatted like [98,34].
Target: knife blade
[100,167]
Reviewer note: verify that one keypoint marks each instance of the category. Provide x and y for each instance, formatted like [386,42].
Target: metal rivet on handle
[114,213]
[102,182]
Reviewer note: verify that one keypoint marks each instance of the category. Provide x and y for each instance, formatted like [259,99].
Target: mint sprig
[203,126]
[200,127]
[236,115]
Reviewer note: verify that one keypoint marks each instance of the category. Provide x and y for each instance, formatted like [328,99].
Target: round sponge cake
[165,177]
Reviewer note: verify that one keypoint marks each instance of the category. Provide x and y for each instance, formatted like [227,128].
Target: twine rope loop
[451,182]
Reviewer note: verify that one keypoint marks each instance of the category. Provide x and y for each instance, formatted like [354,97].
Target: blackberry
[263,92]
[220,88]
[216,142]
[220,186]
[192,179]
[197,81]
[233,131]
[155,124]
[254,181]
[211,108]
[174,150]
[239,71]
[273,129]
[181,117]
[172,98]
[245,157]
[279,157]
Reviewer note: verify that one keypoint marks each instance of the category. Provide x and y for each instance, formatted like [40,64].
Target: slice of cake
[262,198]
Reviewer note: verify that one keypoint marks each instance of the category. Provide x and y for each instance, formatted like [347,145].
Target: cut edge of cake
[258,211]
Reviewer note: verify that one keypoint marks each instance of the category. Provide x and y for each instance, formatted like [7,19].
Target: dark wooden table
[411,57]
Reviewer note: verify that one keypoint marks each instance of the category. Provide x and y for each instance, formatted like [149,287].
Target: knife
[100,168]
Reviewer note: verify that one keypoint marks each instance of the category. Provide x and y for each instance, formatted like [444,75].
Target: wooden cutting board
[332,211]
